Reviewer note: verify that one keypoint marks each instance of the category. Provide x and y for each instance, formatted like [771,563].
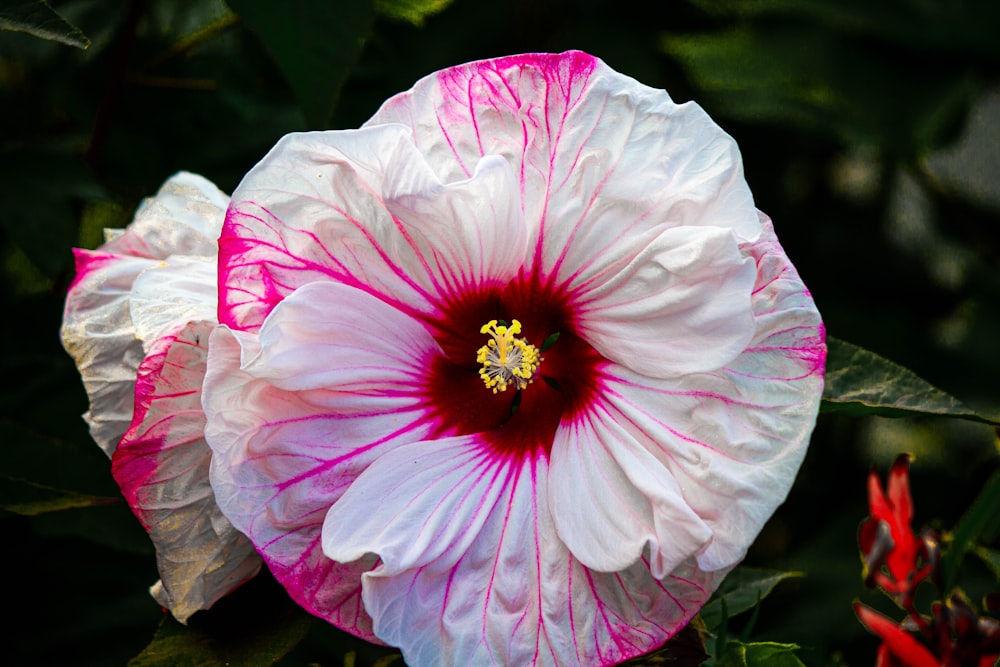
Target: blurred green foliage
[869,134]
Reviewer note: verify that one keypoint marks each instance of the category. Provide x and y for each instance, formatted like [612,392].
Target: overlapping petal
[604,163]
[733,438]
[511,593]
[184,218]
[296,414]
[162,466]
[364,208]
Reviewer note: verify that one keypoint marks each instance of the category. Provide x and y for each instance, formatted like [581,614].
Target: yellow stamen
[507,361]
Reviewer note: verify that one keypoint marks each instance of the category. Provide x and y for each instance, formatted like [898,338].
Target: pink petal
[733,439]
[162,467]
[682,305]
[515,595]
[282,458]
[365,209]
[604,162]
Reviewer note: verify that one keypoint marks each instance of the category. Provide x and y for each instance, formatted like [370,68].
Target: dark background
[868,131]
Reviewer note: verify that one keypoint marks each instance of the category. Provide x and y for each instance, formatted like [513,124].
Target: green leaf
[978,525]
[246,629]
[759,654]
[35,17]
[740,591]
[413,11]
[30,498]
[861,383]
[314,44]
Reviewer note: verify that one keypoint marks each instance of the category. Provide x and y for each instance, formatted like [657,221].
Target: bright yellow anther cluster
[507,361]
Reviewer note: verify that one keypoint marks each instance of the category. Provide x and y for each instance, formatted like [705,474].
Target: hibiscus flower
[514,373]
[137,320]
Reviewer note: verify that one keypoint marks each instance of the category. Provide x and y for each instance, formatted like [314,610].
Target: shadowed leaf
[37,18]
[315,45]
[30,499]
[861,383]
[740,591]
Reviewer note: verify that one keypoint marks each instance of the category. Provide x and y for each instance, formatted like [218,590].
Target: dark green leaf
[414,11]
[860,383]
[258,635]
[315,45]
[740,591]
[759,654]
[35,17]
[978,525]
[30,498]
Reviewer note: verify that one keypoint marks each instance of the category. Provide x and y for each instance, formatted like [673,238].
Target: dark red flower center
[514,422]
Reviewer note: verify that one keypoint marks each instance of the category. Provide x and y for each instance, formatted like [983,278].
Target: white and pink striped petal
[489,581]
[162,467]
[363,208]
[604,163]
[296,414]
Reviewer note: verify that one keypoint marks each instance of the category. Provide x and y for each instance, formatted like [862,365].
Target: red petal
[898,641]
[899,490]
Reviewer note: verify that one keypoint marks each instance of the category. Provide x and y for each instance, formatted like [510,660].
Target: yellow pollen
[507,361]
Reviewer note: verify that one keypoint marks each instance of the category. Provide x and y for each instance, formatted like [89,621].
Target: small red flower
[895,559]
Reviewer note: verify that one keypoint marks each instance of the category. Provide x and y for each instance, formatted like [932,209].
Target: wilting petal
[282,458]
[184,217]
[734,439]
[181,289]
[604,162]
[162,467]
[364,208]
[97,332]
[682,305]
[511,593]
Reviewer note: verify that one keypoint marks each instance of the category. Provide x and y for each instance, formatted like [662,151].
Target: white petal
[516,596]
[420,503]
[363,208]
[162,467]
[97,332]
[734,439]
[180,289]
[331,336]
[611,500]
[183,218]
[282,458]
[681,306]
[603,160]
